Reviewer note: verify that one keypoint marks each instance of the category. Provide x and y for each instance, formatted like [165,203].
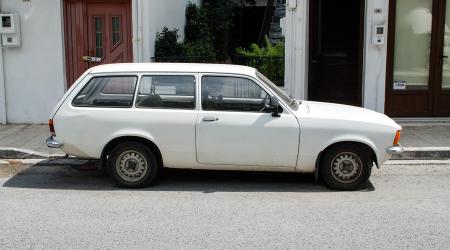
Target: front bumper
[395,150]
[52,143]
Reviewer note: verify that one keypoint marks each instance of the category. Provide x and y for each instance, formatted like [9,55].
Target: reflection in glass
[115,24]
[446,50]
[98,23]
[412,44]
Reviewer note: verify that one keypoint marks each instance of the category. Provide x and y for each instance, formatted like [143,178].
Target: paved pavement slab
[28,137]
[426,136]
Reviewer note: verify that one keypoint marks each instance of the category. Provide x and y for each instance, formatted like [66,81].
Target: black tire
[132,165]
[346,167]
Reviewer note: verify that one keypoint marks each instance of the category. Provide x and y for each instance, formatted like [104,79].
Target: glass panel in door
[98,29]
[446,50]
[412,44]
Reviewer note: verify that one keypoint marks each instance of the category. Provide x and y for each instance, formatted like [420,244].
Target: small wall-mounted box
[9,23]
[379,33]
[10,29]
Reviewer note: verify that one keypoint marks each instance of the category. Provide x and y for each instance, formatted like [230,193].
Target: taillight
[397,137]
[52,128]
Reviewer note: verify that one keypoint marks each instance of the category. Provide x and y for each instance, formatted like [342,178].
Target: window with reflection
[413,20]
[227,93]
[166,91]
[107,91]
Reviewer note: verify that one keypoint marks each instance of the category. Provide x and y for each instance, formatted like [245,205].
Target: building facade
[389,56]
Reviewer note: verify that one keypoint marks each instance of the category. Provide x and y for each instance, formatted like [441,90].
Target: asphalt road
[59,207]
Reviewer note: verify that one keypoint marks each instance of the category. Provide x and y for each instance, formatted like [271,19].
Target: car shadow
[89,178]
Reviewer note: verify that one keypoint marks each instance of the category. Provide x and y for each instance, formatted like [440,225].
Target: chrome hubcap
[131,166]
[346,167]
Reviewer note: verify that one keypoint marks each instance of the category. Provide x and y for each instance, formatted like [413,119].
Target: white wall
[149,17]
[296,59]
[374,80]
[34,72]
[374,68]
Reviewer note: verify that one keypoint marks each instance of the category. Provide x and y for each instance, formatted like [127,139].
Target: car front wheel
[132,165]
[346,167]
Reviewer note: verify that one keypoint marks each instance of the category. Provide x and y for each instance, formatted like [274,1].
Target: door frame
[434,93]
[76,44]
[312,26]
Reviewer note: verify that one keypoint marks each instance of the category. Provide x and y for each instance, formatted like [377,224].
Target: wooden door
[418,69]
[336,50]
[96,32]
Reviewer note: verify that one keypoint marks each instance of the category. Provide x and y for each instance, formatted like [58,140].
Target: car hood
[343,112]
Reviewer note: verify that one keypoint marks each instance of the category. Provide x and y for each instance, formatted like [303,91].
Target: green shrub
[167,45]
[268,59]
[200,49]
[267,50]
[206,32]
[196,27]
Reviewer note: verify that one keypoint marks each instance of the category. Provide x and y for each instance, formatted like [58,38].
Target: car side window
[107,91]
[166,91]
[229,93]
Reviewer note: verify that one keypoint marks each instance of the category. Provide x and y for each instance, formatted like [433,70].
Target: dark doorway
[336,51]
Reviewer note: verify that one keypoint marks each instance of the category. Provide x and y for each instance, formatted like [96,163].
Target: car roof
[173,68]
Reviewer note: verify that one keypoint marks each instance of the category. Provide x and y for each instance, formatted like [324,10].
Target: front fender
[310,155]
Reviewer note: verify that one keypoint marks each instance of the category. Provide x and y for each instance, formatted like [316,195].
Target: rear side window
[107,91]
[166,91]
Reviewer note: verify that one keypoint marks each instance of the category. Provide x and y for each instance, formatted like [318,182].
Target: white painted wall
[34,72]
[296,59]
[374,70]
[149,17]
[374,80]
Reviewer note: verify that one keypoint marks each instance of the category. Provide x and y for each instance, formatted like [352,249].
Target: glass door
[418,75]
[442,93]
[412,44]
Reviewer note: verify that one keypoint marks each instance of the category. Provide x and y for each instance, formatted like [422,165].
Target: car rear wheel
[346,167]
[132,165]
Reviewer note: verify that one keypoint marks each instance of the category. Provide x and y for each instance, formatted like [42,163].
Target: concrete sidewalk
[421,141]
[25,141]
[424,141]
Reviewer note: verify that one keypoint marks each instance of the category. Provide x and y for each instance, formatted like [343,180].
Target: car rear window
[107,91]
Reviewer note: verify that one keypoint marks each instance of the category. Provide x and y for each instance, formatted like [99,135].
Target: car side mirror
[275,107]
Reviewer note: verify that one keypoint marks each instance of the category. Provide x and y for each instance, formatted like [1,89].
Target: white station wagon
[138,118]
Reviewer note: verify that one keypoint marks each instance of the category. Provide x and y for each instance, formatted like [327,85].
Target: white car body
[292,142]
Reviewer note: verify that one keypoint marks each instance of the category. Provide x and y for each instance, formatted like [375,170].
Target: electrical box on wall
[10,29]
[379,35]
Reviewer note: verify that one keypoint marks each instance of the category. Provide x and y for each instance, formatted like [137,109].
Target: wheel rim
[346,167]
[131,166]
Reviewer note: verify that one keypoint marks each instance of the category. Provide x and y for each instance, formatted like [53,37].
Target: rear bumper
[395,150]
[52,143]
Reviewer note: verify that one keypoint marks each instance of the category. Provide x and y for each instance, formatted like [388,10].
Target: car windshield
[293,104]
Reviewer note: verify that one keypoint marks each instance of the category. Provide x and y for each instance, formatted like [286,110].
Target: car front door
[234,129]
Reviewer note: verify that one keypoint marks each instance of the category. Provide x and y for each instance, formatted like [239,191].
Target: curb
[53,162]
[423,153]
[21,153]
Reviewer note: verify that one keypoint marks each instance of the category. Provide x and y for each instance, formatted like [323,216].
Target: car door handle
[210,119]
